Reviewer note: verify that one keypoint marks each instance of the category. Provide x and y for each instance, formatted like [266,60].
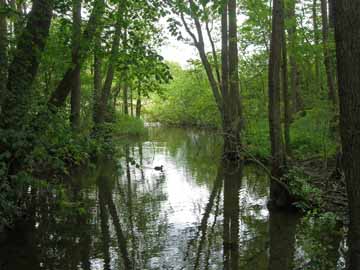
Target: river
[197,213]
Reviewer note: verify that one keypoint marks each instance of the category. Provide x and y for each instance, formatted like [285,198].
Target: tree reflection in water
[200,213]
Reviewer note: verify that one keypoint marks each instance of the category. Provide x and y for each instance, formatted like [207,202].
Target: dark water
[199,213]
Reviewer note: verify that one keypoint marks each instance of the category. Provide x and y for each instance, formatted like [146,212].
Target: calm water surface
[198,213]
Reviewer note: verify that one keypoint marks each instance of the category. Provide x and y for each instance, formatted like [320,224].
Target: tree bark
[76,86]
[327,53]
[131,102]
[318,79]
[233,103]
[347,36]
[59,96]
[117,91]
[24,66]
[331,14]
[19,19]
[295,95]
[125,100]
[97,72]
[286,97]
[3,52]
[138,104]
[277,149]
[225,70]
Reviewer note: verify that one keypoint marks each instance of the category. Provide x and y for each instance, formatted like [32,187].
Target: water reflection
[199,213]
[232,183]
[282,228]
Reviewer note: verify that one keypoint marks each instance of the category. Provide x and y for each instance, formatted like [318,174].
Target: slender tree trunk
[125,100]
[3,52]
[318,79]
[97,72]
[18,19]
[76,85]
[227,96]
[105,93]
[138,104]
[347,36]
[331,14]
[117,93]
[327,53]
[131,102]
[24,66]
[277,149]
[286,97]
[224,61]
[295,95]
[59,96]
[230,82]
[233,102]
[274,88]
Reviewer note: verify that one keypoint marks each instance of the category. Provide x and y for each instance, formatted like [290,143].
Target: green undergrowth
[124,125]
[311,135]
[50,153]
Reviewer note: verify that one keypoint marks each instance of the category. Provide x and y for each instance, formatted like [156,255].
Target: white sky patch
[181,52]
[178,51]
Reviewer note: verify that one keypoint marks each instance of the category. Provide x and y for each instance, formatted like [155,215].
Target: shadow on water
[199,213]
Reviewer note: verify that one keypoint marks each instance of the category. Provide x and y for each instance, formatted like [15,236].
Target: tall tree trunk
[3,52]
[227,96]
[277,149]
[327,53]
[138,104]
[131,102]
[233,103]
[125,100]
[347,36]
[296,98]
[76,86]
[24,66]
[116,94]
[97,72]
[331,14]
[224,61]
[318,79]
[105,93]
[286,97]
[19,19]
[60,94]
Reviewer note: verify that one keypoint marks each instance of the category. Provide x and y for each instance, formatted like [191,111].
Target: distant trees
[347,35]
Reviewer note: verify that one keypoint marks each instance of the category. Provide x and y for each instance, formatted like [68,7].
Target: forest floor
[330,184]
